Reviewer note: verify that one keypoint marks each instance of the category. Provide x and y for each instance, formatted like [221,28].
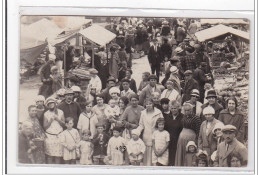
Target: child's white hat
[114,90]
[190,143]
[136,132]
[219,125]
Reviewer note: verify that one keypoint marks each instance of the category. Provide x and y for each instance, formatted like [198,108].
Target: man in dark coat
[212,101]
[155,58]
[190,83]
[46,88]
[78,97]
[70,108]
[166,50]
[200,76]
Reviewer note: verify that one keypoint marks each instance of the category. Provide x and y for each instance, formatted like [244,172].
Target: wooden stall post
[64,62]
[92,47]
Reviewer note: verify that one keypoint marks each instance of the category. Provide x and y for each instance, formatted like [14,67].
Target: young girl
[86,148]
[161,139]
[87,120]
[191,151]
[100,141]
[234,160]
[202,159]
[115,148]
[128,74]
[69,140]
[135,148]
[112,112]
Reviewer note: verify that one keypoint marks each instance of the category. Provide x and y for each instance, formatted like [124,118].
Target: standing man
[78,97]
[200,76]
[69,107]
[155,58]
[190,84]
[149,89]
[230,146]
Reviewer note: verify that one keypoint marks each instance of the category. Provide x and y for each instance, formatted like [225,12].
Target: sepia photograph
[133,91]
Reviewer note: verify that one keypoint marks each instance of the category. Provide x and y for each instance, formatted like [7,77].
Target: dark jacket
[70,110]
[82,102]
[200,77]
[100,148]
[189,85]
[236,120]
[155,58]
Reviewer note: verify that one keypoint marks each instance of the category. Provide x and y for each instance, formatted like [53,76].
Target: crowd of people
[172,118]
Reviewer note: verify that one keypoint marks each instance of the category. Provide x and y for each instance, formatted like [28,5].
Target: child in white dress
[161,139]
[115,149]
[112,112]
[69,139]
[135,148]
[86,148]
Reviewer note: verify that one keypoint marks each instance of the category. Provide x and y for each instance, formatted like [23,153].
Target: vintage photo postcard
[133,91]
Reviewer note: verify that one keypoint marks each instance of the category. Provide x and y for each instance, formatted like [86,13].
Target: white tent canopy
[98,35]
[220,30]
[41,30]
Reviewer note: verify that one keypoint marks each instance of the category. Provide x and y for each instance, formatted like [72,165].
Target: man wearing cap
[127,92]
[147,92]
[190,83]
[71,81]
[69,107]
[201,57]
[46,88]
[194,101]
[230,146]
[200,76]
[95,80]
[81,100]
[212,101]
[111,82]
[155,58]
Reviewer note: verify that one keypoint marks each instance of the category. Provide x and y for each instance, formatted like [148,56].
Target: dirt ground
[29,88]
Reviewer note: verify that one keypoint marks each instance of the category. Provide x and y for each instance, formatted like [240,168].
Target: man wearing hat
[95,80]
[155,58]
[230,146]
[200,76]
[180,34]
[165,28]
[46,88]
[147,92]
[212,101]
[81,100]
[71,80]
[190,84]
[201,57]
[69,107]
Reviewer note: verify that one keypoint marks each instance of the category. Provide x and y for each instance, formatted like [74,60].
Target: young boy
[87,120]
[100,141]
[135,148]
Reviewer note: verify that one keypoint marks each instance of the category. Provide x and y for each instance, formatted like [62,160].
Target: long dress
[174,127]
[147,124]
[190,132]
[52,143]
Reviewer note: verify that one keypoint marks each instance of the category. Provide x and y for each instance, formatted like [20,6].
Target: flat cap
[229,128]
[188,72]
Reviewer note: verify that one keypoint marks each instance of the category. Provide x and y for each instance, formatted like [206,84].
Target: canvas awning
[97,35]
[220,30]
